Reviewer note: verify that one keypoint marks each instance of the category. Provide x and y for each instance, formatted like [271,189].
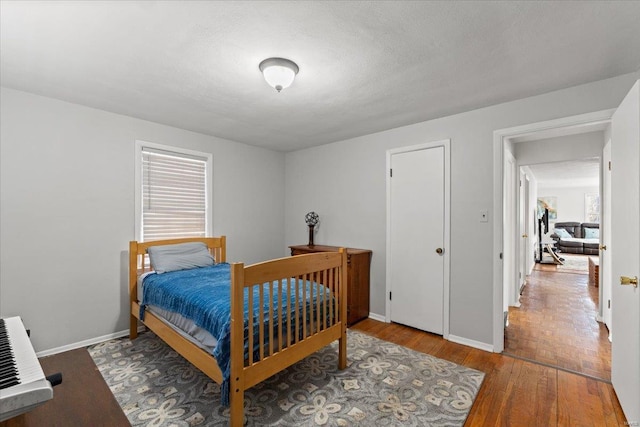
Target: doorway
[625,214]
[555,321]
[503,142]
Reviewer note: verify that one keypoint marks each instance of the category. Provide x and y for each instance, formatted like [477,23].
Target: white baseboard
[471,343]
[85,343]
[452,338]
[377,317]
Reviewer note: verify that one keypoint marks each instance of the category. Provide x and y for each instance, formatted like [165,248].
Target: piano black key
[11,371]
[8,367]
[9,380]
[9,360]
[8,363]
[9,384]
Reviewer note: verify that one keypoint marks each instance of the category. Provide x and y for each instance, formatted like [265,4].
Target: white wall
[570,201]
[559,149]
[67,211]
[344,183]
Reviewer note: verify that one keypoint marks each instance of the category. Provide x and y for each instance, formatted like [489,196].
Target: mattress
[185,327]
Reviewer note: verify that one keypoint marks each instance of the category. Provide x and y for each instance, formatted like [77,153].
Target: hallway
[555,324]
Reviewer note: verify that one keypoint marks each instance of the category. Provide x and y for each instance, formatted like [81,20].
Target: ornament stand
[311,229]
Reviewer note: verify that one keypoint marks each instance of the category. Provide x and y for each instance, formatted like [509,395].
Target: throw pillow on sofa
[562,233]
[591,233]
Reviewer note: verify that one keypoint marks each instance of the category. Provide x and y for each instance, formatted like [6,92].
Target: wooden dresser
[358,266]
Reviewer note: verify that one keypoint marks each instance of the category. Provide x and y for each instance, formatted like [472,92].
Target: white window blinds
[174,189]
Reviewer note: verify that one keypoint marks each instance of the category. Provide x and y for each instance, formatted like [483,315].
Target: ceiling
[574,173]
[364,66]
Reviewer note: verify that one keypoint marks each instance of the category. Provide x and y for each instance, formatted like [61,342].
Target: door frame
[446,144]
[501,138]
[524,243]
[510,217]
[606,282]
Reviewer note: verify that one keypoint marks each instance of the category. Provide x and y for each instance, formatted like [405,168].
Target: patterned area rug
[578,264]
[384,384]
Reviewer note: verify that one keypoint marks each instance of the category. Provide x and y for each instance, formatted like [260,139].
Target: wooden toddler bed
[279,332]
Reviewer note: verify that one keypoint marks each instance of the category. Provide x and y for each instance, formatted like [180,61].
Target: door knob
[525,235]
[624,280]
[439,251]
[603,247]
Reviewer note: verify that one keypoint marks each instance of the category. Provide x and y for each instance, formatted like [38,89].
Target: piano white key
[29,368]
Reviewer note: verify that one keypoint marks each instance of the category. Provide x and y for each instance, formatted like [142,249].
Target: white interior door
[625,253]
[417,216]
[605,259]
[510,282]
[523,209]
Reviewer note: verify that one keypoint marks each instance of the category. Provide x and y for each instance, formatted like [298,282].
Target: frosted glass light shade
[278,72]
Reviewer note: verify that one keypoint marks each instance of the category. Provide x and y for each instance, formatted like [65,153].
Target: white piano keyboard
[23,385]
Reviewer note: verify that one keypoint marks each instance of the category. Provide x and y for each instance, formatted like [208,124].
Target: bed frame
[306,335]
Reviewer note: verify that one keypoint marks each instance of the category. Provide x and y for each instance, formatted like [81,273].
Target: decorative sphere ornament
[311,219]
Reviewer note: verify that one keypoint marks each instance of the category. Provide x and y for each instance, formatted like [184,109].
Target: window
[592,207]
[173,192]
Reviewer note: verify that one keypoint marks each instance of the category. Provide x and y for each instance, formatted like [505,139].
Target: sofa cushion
[572,249]
[571,242]
[591,243]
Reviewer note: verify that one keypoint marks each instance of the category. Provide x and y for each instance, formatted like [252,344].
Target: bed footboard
[315,306]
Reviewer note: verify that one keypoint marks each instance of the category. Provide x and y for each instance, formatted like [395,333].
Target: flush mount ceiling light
[278,72]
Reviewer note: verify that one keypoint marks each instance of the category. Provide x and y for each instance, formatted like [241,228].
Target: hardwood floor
[556,324]
[515,392]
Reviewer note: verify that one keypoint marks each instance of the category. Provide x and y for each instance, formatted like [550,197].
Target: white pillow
[182,256]
[591,233]
[562,233]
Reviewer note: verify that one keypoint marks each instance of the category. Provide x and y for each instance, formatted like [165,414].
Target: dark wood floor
[556,323]
[83,398]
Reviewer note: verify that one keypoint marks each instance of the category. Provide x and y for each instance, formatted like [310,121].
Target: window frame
[139,147]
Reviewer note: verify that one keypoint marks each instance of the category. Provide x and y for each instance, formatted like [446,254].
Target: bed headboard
[138,255]
[216,245]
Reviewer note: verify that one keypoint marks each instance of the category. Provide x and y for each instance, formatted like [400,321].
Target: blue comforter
[203,295]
